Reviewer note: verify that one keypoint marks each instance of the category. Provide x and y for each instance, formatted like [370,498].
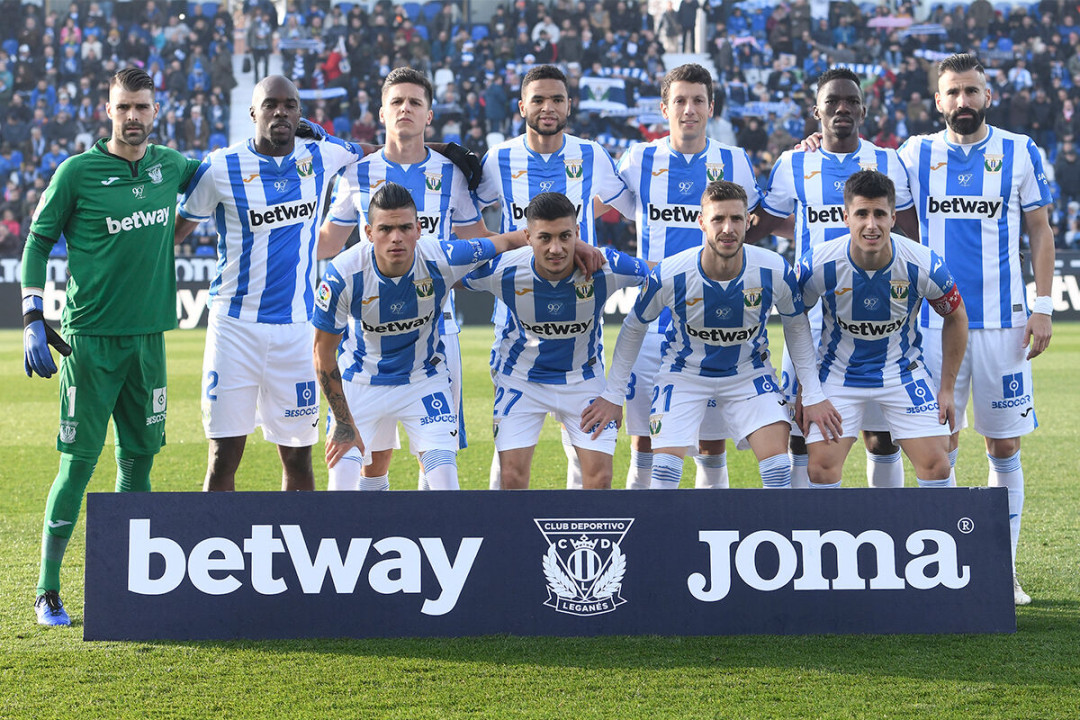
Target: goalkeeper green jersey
[118,219]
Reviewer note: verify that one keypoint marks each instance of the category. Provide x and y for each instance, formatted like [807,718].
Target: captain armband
[948,302]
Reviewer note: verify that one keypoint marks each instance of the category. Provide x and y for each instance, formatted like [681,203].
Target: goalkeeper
[116,206]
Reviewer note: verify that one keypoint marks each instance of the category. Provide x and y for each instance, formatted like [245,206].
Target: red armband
[948,302]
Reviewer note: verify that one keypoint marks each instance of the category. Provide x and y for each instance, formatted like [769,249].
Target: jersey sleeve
[332,302]
[650,302]
[626,270]
[341,153]
[57,203]
[630,172]
[779,197]
[607,183]
[898,174]
[484,278]
[202,196]
[1034,187]
[488,191]
[342,207]
[908,154]
[787,297]
[744,175]
[463,210]
[938,280]
[804,275]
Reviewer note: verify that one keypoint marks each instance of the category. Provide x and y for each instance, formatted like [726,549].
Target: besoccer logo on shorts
[305,394]
[159,400]
[584,564]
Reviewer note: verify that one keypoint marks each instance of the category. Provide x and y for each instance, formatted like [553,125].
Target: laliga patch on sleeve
[322,295]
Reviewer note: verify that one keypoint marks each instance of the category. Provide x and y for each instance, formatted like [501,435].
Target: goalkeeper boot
[50,610]
[1019,596]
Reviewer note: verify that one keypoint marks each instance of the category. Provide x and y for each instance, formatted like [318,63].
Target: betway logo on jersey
[138,220]
[282,215]
[219,566]
[558,329]
[922,569]
[428,223]
[976,208]
[825,215]
[397,327]
[675,215]
[868,328]
[723,336]
[517,212]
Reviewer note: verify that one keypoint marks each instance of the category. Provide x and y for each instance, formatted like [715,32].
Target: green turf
[50,672]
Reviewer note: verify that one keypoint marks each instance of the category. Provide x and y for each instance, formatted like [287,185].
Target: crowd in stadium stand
[54,71]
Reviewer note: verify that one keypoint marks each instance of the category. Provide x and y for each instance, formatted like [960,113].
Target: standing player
[973,185]
[871,286]
[810,186]
[388,295]
[266,195]
[665,179]
[551,357]
[115,206]
[444,206]
[546,159]
[720,297]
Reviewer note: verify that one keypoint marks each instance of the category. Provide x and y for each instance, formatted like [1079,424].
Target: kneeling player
[720,296]
[550,355]
[871,284]
[389,294]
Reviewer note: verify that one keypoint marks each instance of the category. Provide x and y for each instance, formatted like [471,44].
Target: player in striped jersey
[551,359]
[974,185]
[388,294]
[871,285]
[664,181]
[444,205]
[266,195]
[546,159]
[720,298]
[809,185]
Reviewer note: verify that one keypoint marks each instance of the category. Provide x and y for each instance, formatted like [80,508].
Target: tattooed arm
[343,435]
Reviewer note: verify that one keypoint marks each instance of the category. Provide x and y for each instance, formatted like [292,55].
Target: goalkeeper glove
[310,131]
[37,337]
[466,161]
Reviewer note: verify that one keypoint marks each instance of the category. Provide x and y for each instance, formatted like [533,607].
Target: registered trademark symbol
[965,525]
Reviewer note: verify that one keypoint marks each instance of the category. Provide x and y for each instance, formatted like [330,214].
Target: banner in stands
[403,564]
[193,276]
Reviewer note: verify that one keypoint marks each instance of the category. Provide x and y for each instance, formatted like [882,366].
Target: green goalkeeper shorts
[120,376]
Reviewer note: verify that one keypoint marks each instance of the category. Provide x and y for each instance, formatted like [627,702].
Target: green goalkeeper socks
[133,472]
[61,512]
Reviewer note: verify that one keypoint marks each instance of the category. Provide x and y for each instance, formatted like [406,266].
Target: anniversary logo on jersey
[714,171]
[574,169]
[584,564]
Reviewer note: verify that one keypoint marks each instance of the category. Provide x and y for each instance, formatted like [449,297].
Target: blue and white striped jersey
[665,187]
[581,170]
[392,322]
[869,336]
[811,185]
[555,331]
[267,211]
[970,201]
[718,328]
[438,188]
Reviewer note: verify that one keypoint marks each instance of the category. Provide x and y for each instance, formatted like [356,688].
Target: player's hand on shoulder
[308,130]
[1037,333]
[598,414]
[810,143]
[466,161]
[587,258]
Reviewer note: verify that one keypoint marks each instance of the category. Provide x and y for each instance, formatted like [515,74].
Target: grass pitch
[49,672]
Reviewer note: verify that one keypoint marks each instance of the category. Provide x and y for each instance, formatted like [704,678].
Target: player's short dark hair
[838,73]
[409,76]
[544,72]
[720,190]
[870,184]
[690,73]
[961,62]
[391,196]
[550,206]
[132,79]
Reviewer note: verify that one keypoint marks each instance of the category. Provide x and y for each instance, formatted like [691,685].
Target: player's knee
[1002,447]
[879,443]
[936,468]
[822,470]
[641,443]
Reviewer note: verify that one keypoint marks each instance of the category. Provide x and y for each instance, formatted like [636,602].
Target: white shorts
[424,408]
[872,419]
[452,347]
[910,411]
[520,408]
[260,374]
[744,403]
[641,394]
[996,374]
